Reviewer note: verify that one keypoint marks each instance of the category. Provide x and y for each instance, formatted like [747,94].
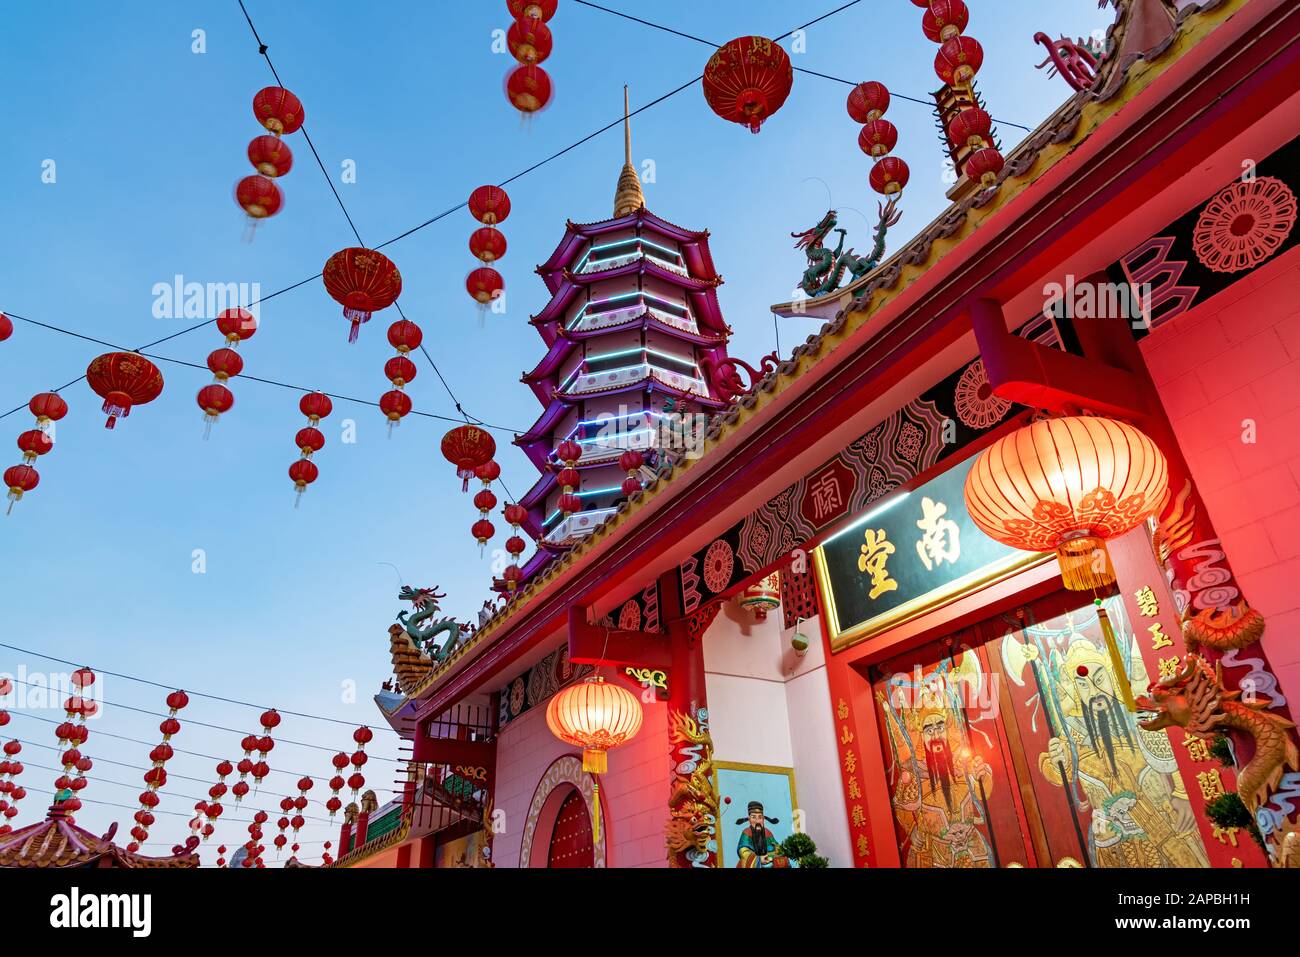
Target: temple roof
[694,244]
[1058,139]
[565,292]
[567,339]
[58,842]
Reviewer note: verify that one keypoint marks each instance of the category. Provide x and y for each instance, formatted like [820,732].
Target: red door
[571,839]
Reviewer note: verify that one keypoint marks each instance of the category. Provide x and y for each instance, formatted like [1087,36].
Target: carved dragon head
[1189,699]
[811,238]
[421,597]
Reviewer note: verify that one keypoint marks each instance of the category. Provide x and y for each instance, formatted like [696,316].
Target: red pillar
[693,799]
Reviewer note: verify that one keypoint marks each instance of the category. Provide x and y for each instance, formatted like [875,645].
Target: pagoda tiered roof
[701,293]
[58,842]
[694,244]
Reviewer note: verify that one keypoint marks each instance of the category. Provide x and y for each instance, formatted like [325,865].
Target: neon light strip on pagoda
[633,241]
[640,294]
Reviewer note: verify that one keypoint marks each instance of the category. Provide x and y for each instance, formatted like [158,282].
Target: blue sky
[148,139]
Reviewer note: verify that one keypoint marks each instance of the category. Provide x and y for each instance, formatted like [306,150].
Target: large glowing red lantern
[528,88]
[363,281]
[889,175]
[596,716]
[1067,485]
[123,380]
[868,101]
[529,40]
[489,205]
[258,196]
[958,60]
[278,110]
[467,447]
[270,156]
[747,80]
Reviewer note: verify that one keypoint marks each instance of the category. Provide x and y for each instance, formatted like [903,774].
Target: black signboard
[912,553]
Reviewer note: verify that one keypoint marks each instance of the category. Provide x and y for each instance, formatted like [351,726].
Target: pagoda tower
[631,330]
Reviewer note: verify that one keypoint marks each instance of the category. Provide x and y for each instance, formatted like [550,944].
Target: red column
[693,799]
[363,820]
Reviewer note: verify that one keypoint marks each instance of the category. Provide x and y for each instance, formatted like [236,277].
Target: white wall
[769,706]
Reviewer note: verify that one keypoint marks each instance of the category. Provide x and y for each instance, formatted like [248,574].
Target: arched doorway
[571,837]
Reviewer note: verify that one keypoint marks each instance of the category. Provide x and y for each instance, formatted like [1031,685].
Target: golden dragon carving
[693,802]
[1194,699]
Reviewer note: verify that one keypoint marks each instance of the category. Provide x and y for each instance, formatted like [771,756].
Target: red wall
[1233,358]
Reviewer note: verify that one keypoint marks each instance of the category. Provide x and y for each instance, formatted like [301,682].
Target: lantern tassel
[1116,659]
[1085,563]
[595,809]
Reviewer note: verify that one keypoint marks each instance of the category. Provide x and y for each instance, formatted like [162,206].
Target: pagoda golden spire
[628,197]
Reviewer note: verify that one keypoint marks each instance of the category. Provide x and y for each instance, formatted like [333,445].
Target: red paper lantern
[123,380]
[20,479]
[270,156]
[396,405]
[270,719]
[309,440]
[467,447]
[303,473]
[516,514]
[889,175]
[278,110]
[515,545]
[971,127]
[47,407]
[568,479]
[400,370]
[596,716]
[528,88]
[747,80]
[316,406]
[487,244]
[484,284]
[984,165]
[177,701]
[225,363]
[258,196]
[958,60]
[405,336]
[485,501]
[489,205]
[363,736]
[944,19]
[340,761]
[536,9]
[488,472]
[569,503]
[868,101]
[214,400]
[363,282]
[568,452]
[512,576]
[878,138]
[529,40]
[237,325]
[34,442]
[6,327]
[631,485]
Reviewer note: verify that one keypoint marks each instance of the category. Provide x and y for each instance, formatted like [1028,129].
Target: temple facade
[925,694]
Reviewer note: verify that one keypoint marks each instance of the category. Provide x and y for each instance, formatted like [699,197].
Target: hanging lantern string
[140,767]
[99,779]
[173,685]
[204,724]
[797,69]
